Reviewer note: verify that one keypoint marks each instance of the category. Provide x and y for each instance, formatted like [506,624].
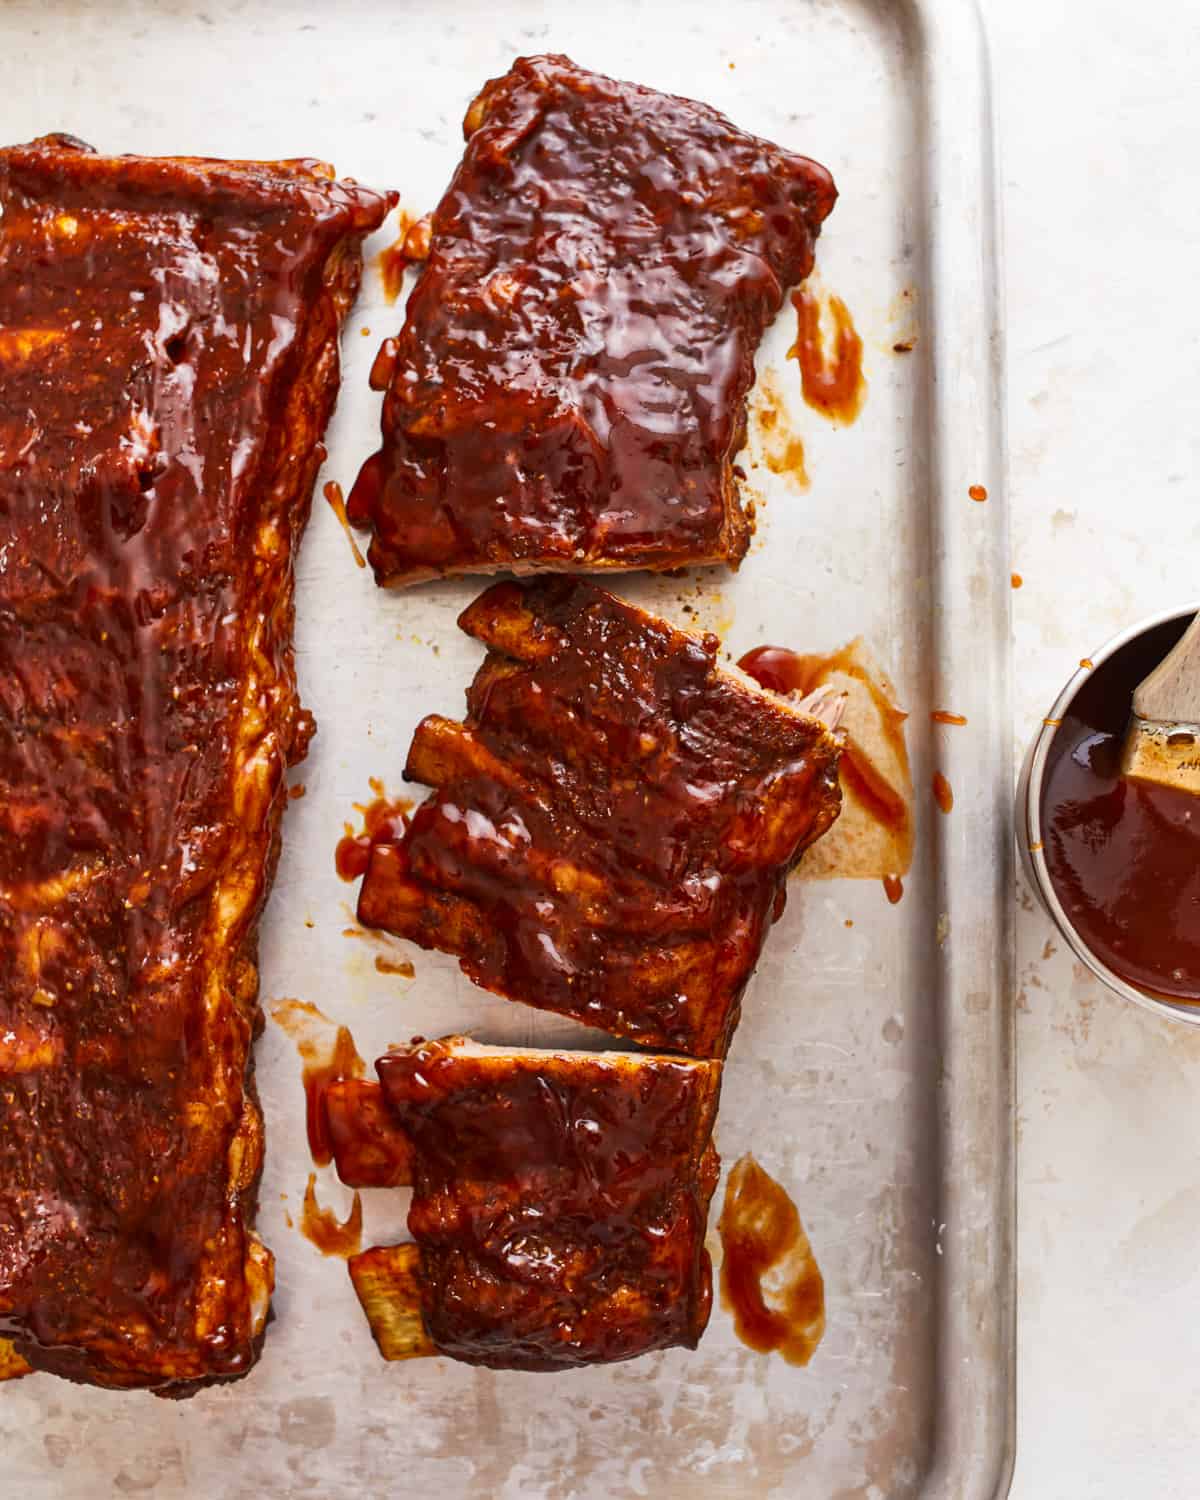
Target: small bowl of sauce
[1115,863]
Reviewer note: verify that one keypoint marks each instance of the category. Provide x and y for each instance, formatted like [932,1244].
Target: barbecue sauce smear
[831,378]
[323,1228]
[327,1054]
[762,1238]
[1123,855]
[886,805]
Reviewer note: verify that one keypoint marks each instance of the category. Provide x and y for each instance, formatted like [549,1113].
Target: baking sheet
[871,1073]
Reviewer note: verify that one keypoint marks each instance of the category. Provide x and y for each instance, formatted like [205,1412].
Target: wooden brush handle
[1171,693]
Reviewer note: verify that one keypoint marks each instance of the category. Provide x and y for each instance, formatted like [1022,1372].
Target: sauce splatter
[411,245]
[832,381]
[764,1242]
[297,791]
[323,1228]
[1017,580]
[401,966]
[784,671]
[383,815]
[337,504]
[943,793]
[782,449]
[893,888]
[944,716]
[328,1053]
[1086,663]
[978,492]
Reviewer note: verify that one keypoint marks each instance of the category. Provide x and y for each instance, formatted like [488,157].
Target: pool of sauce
[322,1227]
[761,1237]
[832,379]
[1123,856]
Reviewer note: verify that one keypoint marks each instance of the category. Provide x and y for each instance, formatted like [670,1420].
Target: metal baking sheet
[871,1073]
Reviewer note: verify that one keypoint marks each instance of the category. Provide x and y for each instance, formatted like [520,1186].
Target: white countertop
[1099,121]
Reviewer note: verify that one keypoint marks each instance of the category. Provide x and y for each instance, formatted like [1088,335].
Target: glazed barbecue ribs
[559,1206]
[168,361]
[569,389]
[612,827]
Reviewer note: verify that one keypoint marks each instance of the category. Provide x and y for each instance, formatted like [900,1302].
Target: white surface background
[1099,121]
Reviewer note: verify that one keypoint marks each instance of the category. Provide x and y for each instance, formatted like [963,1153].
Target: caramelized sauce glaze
[168,359]
[559,1201]
[569,386]
[612,827]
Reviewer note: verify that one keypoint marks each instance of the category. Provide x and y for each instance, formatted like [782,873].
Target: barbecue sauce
[325,1060]
[831,379]
[383,818]
[322,1227]
[1123,855]
[783,671]
[761,1237]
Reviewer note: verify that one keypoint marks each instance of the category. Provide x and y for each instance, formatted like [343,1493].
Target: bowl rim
[1029,829]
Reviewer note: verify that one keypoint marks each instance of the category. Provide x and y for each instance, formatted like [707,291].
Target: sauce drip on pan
[943,793]
[322,1227]
[411,246]
[1123,855]
[893,888]
[944,716]
[382,818]
[762,1237]
[783,671]
[832,379]
[337,504]
[328,1053]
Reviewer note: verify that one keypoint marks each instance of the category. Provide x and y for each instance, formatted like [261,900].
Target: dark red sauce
[569,395]
[1123,856]
[587,1243]
[762,1236]
[893,888]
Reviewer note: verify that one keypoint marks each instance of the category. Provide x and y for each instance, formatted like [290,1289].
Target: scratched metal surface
[871,1073]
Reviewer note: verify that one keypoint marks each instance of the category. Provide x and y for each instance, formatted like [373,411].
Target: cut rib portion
[569,388]
[169,362]
[369,1149]
[612,827]
[559,1206]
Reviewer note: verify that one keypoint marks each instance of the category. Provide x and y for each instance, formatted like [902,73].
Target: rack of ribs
[569,388]
[559,1206]
[612,826]
[169,356]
